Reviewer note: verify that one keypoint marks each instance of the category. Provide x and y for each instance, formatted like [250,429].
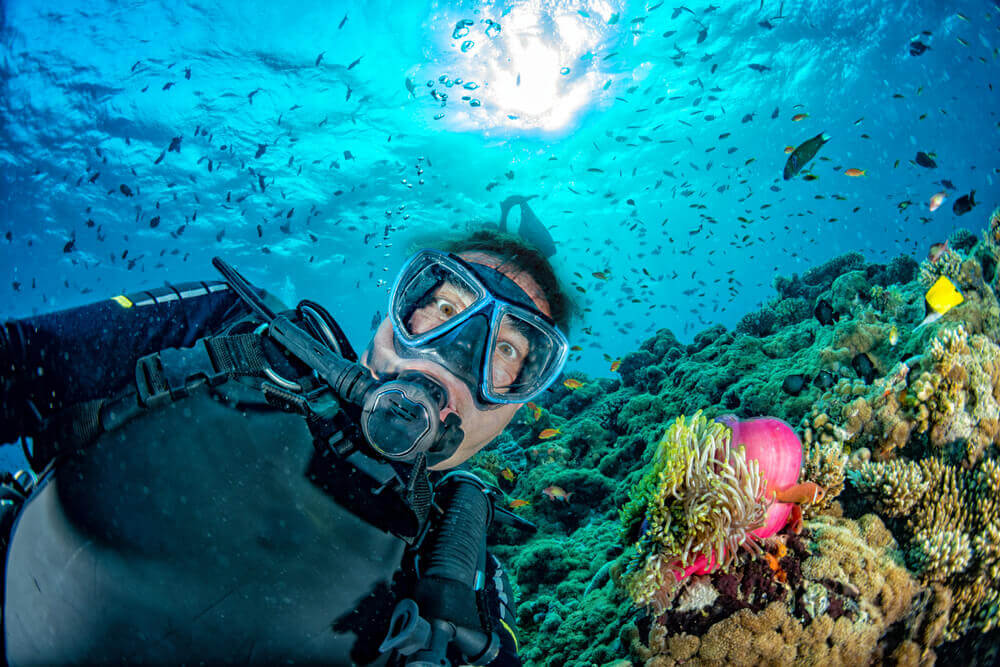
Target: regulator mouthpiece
[400,419]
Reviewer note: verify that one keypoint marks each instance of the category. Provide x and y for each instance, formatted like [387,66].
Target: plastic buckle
[170,374]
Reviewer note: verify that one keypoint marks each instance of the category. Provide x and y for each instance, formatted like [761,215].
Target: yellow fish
[893,336]
[514,504]
[548,433]
[941,297]
[615,364]
[572,383]
[507,474]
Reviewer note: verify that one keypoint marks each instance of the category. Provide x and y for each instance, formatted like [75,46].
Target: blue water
[564,89]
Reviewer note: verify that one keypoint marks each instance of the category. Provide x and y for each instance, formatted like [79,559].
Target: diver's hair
[514,251]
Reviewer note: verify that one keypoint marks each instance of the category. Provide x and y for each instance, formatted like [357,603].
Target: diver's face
[480,426]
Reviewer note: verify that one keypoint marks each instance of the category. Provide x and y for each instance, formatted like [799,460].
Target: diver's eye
[508,351]
[446,308]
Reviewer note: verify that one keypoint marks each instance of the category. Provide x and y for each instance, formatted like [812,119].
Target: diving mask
[478,324]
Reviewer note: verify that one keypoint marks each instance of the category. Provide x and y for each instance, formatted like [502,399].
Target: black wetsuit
[204,530]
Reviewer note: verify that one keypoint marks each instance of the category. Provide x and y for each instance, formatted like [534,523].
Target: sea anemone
[713,487]
[702,499]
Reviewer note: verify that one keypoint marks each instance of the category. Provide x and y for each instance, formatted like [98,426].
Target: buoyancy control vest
[212,527]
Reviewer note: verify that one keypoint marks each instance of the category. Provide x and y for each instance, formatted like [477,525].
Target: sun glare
[537,71]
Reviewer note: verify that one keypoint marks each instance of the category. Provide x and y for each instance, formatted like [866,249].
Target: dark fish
[794,384]
[825,380]
[702,35]
[758,68]
[803,154]
[917,47]
[260,179]
[863,366]
[319,58]
[125,190]
[824,313]
[765,24]
[175,145]
[168,85]
[187,73]
[747,118]
[925,160]
[964,203]
[250,96]
[354,64]
[948,184]
[94,177]
[160,158]
[260,150]
[70,245]
[678,10]
[342,22]
[774,114]
[153,222]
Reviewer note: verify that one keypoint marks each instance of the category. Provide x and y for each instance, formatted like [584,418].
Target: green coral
[699,497]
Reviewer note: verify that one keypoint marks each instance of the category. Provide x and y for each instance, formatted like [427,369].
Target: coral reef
[951,520]
[851,589]
[897,563]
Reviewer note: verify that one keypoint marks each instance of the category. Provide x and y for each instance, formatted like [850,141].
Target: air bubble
[474,103]
[564,71]
[461,29]
[466,45]
[439,116]
[492,28]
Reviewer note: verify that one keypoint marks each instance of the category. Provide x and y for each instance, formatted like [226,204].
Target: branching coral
[952,527]
[698,499]
[948,264]
[958,398]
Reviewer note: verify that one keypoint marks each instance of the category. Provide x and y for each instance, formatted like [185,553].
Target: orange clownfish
[548,433]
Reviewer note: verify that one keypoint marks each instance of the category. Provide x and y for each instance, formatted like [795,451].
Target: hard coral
[957,399]
[854,565]
[951,530]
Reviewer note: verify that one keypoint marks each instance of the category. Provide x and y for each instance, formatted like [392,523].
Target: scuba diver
[219,479]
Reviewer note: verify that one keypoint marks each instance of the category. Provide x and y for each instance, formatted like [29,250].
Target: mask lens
[524,356]
[429,295]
